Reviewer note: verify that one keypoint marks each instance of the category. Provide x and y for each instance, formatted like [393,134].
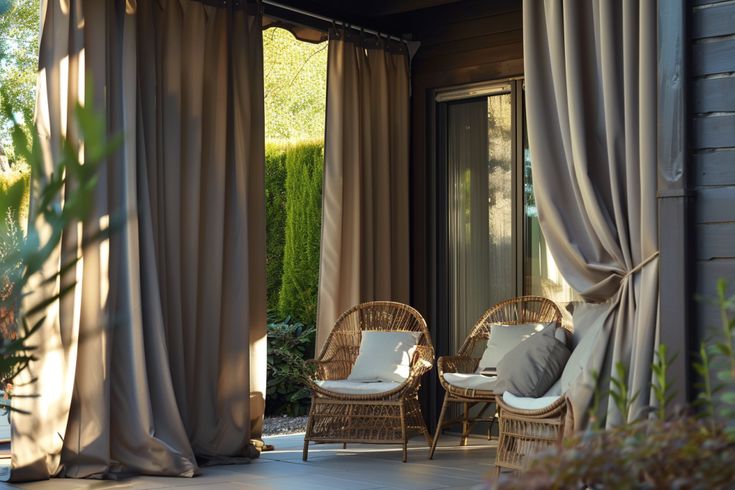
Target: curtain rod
[331,20]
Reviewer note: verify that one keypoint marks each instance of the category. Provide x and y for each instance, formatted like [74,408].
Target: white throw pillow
[384,356]
[503,338]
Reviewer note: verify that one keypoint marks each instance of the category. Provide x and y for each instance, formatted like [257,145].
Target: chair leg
[490,426]
[465,425]
[305,454]
[439,424]
[309,426]
[404,433]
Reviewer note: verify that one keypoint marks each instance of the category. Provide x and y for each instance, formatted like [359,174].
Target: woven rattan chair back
[343,343]
[515,311]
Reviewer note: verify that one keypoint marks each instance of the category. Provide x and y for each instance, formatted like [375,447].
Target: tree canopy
[295,76]
[19,30]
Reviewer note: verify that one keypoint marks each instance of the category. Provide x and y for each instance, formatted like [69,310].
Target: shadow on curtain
[157,358]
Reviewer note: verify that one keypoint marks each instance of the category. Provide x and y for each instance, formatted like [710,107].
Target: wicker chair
[382,418]
[526,432]
[516,311]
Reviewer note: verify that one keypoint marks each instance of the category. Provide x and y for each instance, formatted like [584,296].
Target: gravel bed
[282,425]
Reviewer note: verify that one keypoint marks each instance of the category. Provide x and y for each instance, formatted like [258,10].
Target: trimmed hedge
[275,219]
[15,191]
[298,296]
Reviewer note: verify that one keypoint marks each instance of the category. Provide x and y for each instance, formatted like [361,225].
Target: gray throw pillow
[532,367]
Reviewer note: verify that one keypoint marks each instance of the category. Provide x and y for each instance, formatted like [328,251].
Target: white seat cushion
[384,356]
[528,403]
[471,381]
[346,387]
[503,338]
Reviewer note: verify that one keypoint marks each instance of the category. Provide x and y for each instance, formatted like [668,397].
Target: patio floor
[359,467]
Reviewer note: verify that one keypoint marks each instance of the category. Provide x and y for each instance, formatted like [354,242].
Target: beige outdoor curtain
[158,355]
[590,70]
[364,246]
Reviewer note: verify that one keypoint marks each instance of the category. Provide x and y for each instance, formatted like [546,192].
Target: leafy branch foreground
[683,451]
[61,198]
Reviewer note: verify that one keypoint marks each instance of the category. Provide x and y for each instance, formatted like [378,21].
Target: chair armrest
[327,370]
[423,361]
[457,364]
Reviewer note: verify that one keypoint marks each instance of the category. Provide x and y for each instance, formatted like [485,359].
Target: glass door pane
[481,261]
[541,276]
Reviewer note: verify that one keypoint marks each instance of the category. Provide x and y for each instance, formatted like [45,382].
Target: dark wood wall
[461,43]
[712,142]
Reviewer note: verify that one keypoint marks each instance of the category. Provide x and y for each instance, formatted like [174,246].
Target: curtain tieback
[640,266]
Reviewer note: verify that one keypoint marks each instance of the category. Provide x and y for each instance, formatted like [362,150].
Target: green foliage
[619,391]
[657,452]
[289,344]
[298,296]
[295,83]
[15,186]
[19,29]
[718,357]
[662,389]
[275,219]
[61,198]
[683,453]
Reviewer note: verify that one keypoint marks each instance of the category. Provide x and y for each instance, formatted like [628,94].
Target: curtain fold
[158,355]
[365,238]
[590,72]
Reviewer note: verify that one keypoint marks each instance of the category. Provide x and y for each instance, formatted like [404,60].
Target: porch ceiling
[382,15]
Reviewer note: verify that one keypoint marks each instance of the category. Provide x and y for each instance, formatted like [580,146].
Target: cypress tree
[298,297]
[275,220]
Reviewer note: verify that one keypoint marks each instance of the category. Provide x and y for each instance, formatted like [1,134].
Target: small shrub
[289,345]
[685,453]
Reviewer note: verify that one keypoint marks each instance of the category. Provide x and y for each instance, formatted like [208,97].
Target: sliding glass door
[491,247]
[482,259]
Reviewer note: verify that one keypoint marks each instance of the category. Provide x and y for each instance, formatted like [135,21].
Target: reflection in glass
[541,276]
[480,215]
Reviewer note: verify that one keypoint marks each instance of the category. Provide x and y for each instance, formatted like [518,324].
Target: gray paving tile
[359,467]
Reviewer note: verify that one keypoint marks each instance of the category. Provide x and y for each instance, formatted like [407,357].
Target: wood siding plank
[706,2]
[713,57]
[715,205]
[714,21]
[714,168]
[714,94]
[470,58]
[714,131]
[717,241]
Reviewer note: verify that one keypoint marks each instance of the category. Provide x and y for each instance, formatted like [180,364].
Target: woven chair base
[371,422]
[525,433]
